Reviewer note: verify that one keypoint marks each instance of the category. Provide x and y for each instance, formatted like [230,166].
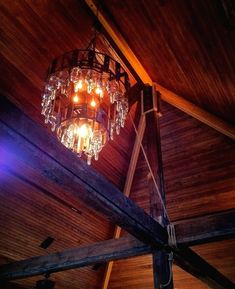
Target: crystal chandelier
[84,100]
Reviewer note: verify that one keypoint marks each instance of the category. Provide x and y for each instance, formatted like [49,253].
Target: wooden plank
[192,263]
[168,96]
[134,156]
[104,251]
[204,229]
[23,140]
[127,189]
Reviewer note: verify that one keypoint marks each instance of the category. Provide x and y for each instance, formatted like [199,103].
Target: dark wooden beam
[161,267]
[204,229]
[10,285]
[74,258]
[121,248]
[192,263]
[23,141]
[154,153]
[200,230]
[134,93]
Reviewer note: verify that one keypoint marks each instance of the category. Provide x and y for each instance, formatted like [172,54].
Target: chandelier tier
[84,100]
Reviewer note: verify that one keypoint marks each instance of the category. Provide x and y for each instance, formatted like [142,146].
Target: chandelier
[84,100]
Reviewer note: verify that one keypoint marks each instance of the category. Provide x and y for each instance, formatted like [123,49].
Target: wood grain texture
[127,187]
[21,140]
[216,227]
[129,57]
[137,272]
[200,178]
[207,228]
[194,264]
[101,252]
[29,215]
[198,168]
[187,48]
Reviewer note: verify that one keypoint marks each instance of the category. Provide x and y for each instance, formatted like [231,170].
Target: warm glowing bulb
[93,103]
[78,85]
[82,131]
[75,98]
[98,90]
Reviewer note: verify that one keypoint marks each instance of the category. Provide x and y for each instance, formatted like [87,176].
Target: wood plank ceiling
[186,47]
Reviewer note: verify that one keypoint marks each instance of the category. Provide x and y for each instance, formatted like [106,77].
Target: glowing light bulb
[75,98]
[93,103]
[98,90]
[82,131]
[78,86]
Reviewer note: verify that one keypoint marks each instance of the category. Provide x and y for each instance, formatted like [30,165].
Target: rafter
[168,96]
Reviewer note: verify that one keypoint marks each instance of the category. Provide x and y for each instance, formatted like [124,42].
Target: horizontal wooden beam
[204,229]
[11,285]
[23,141]
[172,98]
[219,226]
[74,258]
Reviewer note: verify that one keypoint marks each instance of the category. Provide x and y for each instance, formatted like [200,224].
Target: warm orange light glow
[82,131]
[98,90]
[75,98]
[93,103]
[78,86]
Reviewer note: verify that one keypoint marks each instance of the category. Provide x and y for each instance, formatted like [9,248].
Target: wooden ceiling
[186,46]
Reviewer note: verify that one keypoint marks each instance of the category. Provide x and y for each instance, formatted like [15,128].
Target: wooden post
[150,107]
